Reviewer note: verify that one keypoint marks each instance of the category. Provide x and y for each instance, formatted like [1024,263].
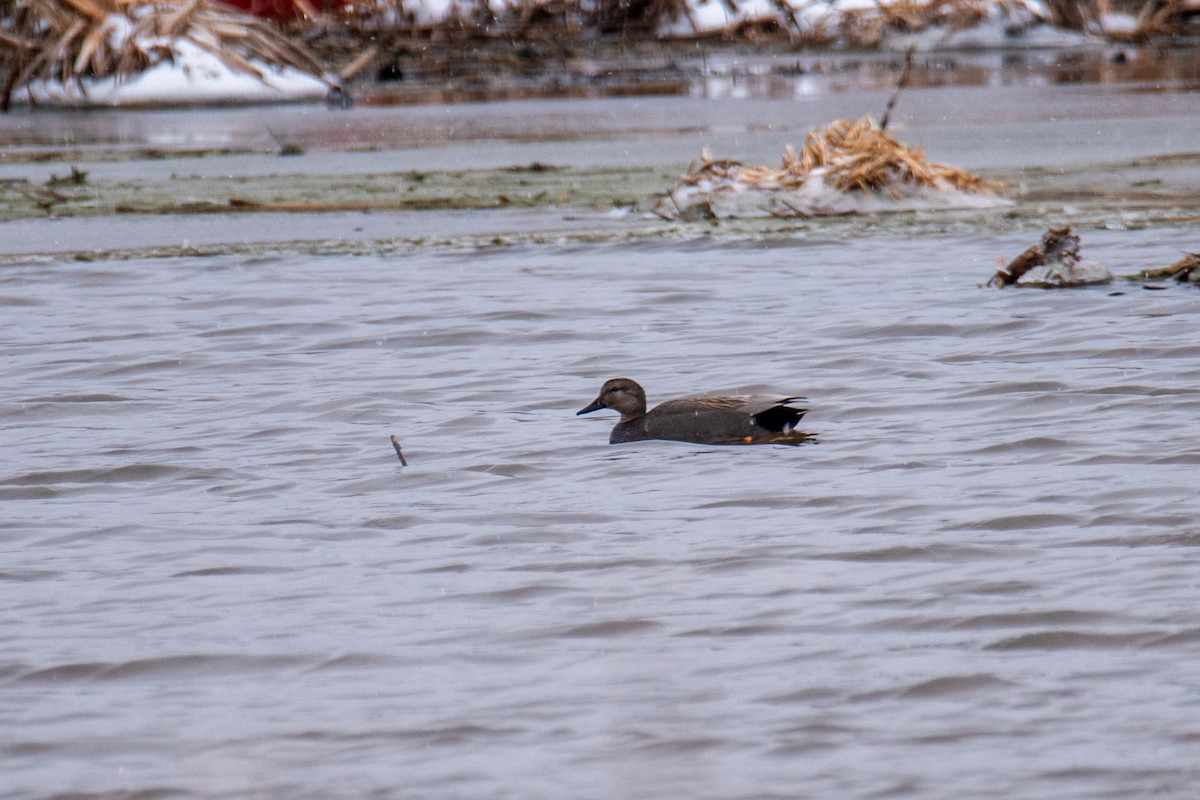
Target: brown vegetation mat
[555,27]
[850,157]
[68,40]
[1153,19]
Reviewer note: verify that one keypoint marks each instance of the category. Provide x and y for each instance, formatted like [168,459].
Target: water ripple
[220,582]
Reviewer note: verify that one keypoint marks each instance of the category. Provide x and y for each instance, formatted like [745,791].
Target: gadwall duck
[703,419]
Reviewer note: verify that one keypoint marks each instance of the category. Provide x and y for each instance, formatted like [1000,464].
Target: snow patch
[191,75]
[815,198]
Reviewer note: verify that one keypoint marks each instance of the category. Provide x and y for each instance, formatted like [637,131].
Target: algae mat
[95,216]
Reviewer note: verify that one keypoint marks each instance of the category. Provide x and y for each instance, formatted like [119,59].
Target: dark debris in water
[1185,270]
[399,452]
[1055,263]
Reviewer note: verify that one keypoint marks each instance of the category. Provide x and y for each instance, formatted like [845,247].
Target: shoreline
[1134,195]
[81,185]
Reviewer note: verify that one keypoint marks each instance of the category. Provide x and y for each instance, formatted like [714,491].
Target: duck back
[713,420]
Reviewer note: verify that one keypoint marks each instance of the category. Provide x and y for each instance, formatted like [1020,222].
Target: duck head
[619,394]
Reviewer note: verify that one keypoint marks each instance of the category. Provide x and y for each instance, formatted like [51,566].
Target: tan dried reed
[851,157]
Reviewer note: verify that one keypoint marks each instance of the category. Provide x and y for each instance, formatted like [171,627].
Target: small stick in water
[903,79]
[399,454]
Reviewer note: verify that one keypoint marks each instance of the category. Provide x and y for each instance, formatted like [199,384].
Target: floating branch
[1185,270]
[1057,243]
[1052,263]
[399,453]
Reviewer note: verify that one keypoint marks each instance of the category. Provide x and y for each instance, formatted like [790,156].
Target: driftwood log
[1058,253]
[1058,244]
[1185,270]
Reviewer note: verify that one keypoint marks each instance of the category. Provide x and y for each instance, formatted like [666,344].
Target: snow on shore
[195,66]
[191,76]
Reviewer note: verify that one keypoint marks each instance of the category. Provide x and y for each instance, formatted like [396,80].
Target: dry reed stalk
[70,40]
[358,63]
[175,22]
[399,452]
[90,9]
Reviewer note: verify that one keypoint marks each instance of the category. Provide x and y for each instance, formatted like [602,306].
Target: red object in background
[283,9]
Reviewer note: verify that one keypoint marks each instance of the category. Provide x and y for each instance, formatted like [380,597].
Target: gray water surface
[219,582]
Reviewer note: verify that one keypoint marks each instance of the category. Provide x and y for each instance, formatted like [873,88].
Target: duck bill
[596,405]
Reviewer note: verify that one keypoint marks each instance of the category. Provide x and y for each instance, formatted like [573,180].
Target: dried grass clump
[1164,18]
[485,20]
[632,16]
[69,40]
[792,22]
[866,26]
[848,156]
[860,156]
[820,23]
[471,39]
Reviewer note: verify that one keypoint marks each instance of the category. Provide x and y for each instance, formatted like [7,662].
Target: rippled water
[219,582]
